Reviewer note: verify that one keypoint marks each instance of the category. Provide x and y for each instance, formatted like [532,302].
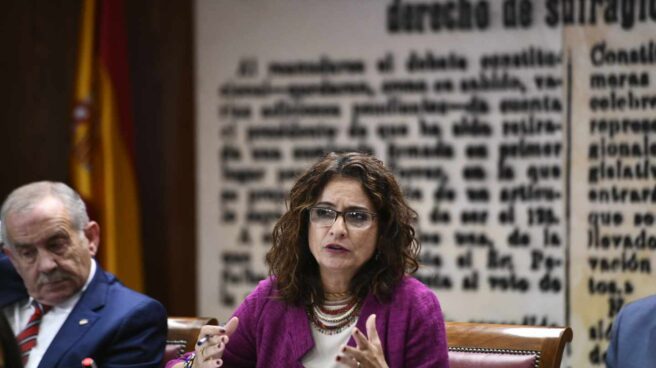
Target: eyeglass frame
[341,213]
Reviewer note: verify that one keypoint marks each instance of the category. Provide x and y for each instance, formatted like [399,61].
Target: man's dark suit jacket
[633,336]
[112,324]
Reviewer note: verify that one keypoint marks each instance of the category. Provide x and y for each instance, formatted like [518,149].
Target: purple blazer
[272,333]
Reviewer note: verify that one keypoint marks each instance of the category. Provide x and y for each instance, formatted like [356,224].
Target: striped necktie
[27,338]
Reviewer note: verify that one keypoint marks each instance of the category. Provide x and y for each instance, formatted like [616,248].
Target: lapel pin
[83,321]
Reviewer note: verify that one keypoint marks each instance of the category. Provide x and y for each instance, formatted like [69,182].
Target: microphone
[88,363]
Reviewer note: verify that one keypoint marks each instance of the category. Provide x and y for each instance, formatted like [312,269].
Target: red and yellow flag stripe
[103,157]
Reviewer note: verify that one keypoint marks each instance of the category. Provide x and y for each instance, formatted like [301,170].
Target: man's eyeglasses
[326,217]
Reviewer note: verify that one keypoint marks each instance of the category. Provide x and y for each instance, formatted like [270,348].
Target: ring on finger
[357,363]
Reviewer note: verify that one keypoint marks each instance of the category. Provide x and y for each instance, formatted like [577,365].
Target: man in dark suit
[633,336]
[69,308]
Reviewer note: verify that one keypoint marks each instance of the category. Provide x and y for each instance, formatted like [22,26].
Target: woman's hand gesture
[211,344]
[368,352]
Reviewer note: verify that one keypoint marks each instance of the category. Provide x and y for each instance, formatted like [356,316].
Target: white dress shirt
[18,314]
[326,348]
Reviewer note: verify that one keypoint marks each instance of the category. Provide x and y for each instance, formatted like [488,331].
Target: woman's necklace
[334,316]
[336,296]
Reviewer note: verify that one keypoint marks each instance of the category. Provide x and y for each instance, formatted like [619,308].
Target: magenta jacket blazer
[272,333]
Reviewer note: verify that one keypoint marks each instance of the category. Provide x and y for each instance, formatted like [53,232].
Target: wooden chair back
[494,345]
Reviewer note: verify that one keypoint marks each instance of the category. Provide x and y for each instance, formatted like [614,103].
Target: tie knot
[41,309]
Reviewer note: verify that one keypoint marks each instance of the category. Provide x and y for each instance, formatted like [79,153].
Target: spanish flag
[102,163]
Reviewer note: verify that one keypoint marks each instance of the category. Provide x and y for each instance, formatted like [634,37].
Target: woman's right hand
[211,344]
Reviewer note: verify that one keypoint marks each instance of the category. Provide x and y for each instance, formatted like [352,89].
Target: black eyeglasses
[326,217]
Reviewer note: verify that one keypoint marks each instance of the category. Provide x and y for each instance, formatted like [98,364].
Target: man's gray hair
[26,197]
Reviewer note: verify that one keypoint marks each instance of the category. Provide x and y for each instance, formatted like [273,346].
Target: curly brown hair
[292,265]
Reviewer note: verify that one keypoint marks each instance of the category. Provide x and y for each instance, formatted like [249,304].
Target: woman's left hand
[368,352]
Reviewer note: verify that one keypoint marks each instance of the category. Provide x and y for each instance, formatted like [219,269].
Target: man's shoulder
[121,297]
[641,307]
[631,343]
[643,302]
[636,316]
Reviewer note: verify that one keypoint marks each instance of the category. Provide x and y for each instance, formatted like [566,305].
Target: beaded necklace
[334,316]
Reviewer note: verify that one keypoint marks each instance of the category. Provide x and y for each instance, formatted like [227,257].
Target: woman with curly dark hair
[339,267]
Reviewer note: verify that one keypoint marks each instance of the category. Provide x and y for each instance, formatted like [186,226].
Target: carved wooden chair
[182,335]
[485,345]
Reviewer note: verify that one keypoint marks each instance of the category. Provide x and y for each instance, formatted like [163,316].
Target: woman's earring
[377,256]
